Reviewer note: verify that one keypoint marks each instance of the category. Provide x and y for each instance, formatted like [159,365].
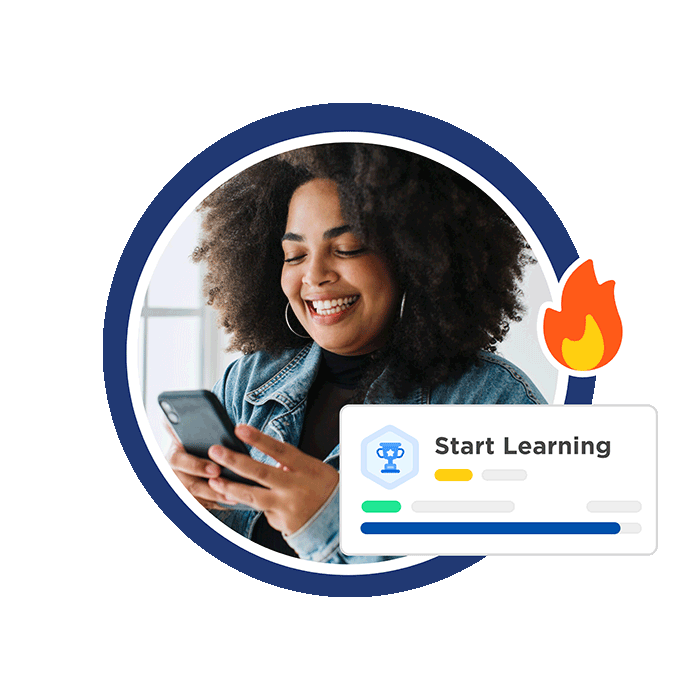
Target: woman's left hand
[295,490]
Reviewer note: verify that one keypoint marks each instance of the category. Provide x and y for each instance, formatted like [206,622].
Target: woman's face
[342,293]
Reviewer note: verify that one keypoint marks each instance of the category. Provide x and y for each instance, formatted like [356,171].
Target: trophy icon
[382,449]
[390,451]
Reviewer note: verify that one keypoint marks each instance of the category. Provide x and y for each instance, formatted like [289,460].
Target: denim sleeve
[319,540]
[219,390]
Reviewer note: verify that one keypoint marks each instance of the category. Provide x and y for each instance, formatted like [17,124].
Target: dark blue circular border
[370,118]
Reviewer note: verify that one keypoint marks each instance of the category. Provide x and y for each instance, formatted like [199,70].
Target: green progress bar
[381,506]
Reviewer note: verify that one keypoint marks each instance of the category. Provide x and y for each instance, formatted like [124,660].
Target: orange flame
[587,332]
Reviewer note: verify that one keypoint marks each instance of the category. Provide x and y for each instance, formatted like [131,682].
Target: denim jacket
[269,392]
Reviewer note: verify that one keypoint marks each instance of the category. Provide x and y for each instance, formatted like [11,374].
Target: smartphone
[200,421]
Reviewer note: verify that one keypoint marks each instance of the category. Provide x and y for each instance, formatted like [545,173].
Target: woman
[398,278]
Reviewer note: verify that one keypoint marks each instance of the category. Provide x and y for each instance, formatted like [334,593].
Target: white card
[498,480]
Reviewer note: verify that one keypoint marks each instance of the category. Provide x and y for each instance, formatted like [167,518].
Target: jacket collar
[292,375]
[290,378]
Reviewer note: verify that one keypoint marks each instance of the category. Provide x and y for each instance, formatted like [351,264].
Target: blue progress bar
[416,528]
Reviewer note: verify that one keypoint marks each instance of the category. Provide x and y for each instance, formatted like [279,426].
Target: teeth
[329,307]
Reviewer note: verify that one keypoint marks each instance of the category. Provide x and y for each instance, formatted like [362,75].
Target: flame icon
[586,334]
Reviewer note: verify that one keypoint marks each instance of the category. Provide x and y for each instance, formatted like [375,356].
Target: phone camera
[170,412]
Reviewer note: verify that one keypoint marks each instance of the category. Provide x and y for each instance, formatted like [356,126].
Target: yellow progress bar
[453,474]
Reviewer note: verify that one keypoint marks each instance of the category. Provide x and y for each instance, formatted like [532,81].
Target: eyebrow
[327,236]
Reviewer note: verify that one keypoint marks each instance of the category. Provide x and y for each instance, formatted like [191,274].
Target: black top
[337,379]
[343,370]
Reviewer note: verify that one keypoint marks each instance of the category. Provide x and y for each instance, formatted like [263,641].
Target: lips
[329,307]
[327,311]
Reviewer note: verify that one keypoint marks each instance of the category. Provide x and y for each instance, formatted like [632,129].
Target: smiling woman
[345,273]
[342,292]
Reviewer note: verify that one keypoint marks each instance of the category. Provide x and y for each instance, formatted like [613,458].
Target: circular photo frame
[371,123]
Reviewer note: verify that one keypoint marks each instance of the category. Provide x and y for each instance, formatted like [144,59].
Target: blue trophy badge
[381,451]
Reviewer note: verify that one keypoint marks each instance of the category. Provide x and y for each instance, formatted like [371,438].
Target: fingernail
[216,451]
[211,469]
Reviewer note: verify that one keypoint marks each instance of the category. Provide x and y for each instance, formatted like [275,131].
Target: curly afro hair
[455,254]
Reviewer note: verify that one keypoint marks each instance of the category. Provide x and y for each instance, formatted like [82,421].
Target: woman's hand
[194,473]
[296,489]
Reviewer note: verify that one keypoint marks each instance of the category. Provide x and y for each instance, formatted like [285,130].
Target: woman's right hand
[194,473]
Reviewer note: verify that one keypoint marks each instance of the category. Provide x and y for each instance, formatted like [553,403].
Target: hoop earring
[403,301]
[289,325]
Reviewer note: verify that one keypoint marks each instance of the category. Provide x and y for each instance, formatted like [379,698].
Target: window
[180,346]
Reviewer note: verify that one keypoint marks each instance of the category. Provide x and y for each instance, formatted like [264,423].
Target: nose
[319,271]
